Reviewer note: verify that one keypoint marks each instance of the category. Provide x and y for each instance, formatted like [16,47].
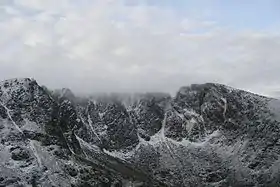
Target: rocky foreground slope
[207,135]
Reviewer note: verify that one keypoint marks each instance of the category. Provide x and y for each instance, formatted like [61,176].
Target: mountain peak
[205,87]
[16,86]
[17,81]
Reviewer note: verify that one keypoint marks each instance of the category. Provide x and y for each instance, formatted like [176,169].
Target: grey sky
[103,46]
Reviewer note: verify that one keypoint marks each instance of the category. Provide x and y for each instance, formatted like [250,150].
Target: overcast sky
[142,45]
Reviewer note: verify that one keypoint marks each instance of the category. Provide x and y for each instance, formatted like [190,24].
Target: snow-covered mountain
[207,135]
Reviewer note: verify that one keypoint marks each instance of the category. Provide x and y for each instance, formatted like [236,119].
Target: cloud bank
[131,46]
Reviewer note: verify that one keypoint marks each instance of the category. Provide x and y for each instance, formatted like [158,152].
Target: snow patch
[123,155]
[34,150]
[31,126]
[101,114]
[10,117]
[81,142]
[191,113]
[225,107]
[87,145]
[206,140]
[91,127]
[189,125]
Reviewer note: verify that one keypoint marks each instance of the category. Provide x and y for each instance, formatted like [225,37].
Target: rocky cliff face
[207,135]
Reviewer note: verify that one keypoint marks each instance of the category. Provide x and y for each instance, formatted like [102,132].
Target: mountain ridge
[206,135]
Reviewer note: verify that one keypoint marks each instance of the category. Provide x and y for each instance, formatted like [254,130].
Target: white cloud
[109,46]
